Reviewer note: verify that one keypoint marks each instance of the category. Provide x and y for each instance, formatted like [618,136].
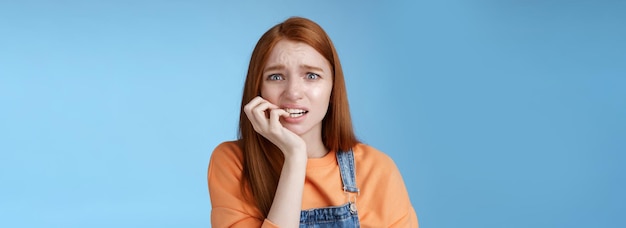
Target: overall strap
[347,170]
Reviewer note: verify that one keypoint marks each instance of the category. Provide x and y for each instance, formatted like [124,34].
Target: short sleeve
[384,198]
[229,207]
[399,195]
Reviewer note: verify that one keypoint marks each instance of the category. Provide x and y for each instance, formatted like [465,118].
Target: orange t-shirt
[383,202]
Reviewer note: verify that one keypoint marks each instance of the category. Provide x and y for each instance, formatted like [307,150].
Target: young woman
[297,161]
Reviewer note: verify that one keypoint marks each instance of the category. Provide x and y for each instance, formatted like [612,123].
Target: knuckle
[257,128]
[275,130]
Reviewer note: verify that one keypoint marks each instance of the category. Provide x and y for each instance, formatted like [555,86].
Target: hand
[271,128]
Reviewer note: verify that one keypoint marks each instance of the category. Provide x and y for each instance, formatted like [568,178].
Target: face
[299,80]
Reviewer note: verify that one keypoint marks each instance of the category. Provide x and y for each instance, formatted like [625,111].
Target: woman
[297,160]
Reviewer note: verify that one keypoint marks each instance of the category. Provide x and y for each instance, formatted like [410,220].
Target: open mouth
[294,112]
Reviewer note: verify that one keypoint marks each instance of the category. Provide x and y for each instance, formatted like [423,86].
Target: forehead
[290,53]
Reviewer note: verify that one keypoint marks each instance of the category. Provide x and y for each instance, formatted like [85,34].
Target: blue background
[498,113]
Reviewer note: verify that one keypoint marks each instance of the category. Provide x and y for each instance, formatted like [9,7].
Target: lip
[294,120]
[293,106]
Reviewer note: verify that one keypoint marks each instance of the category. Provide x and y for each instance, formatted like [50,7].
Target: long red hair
[262,159]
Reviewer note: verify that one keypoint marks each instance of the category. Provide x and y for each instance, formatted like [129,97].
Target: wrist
[296,156]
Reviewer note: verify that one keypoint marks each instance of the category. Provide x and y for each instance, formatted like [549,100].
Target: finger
[249,110]
[275,115]
[259,117]
[273,106]
[263,105]
[253,103]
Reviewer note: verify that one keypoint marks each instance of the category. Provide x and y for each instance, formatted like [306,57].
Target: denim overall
[337,216]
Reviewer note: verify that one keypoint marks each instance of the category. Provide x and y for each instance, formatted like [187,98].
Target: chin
[297,130]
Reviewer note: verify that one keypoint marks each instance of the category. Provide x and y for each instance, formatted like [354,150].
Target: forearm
[285,210]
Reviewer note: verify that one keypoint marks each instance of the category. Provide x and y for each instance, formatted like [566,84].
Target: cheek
[322,93]
[270,95]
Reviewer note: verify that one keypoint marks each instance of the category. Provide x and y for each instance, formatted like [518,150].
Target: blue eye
[274,77]
[312,76]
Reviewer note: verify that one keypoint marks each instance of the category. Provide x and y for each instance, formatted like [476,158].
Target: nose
[295,89]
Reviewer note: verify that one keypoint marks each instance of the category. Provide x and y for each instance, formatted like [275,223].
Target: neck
[314,146]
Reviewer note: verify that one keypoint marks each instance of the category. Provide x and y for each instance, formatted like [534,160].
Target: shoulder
[228,145]
[367,154]
[228,149]
[227,155]
[375,166]
[225,178]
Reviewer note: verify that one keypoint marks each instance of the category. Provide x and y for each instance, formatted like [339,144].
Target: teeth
[294,115]
[294,112]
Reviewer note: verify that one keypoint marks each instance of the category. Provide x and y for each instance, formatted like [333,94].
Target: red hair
[262,159]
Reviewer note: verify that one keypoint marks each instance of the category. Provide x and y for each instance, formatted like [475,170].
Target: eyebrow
[274,68]
[312,68]
[282,67]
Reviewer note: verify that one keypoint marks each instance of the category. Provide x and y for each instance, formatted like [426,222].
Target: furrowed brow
[312,68]
[274,68]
